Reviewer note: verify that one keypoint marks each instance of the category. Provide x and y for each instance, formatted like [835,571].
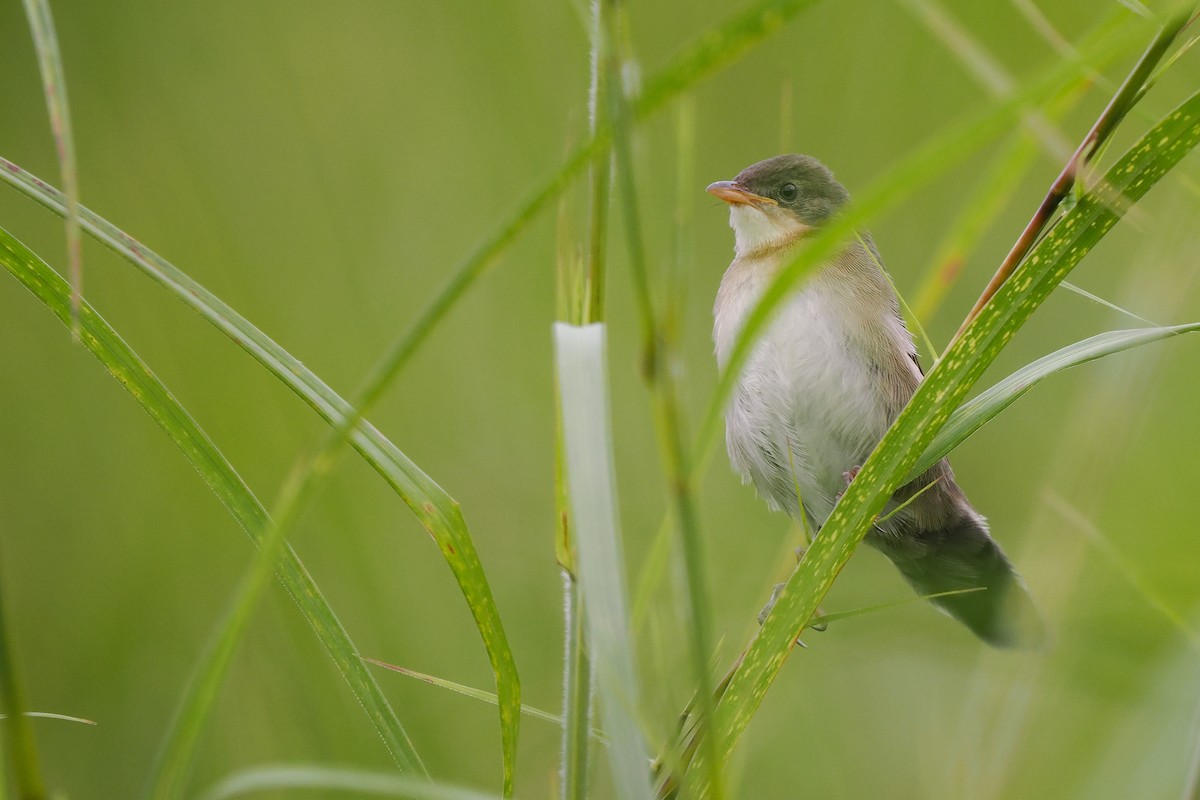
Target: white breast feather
[753,229]
[809,404]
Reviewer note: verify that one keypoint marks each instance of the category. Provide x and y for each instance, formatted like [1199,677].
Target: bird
[830,374]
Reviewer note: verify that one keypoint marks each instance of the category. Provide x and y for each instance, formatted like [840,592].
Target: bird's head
[777,201]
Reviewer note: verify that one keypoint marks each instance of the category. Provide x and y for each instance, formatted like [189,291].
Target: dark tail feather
[963,556]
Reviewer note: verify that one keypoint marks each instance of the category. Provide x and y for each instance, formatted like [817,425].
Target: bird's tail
[962,556]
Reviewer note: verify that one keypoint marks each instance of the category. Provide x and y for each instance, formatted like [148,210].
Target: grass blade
[1098,300]
[336,779]
[943,389]
[582,282]
[1123,566]
[21,746]
[578,688]
[1125,99]
[583,387]
[659,357]
[986,70]
[478,694]
[977,412]
[992,192]
[465,691]
[440,515]
[217,472]
[179,749]
[836,616]
[994,189]
[54,85]
[715,50]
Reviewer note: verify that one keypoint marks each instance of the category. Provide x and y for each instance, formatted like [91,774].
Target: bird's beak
[732,193]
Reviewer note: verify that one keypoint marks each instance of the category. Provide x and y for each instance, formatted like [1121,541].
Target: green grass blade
[986,70]
[1098,300]
[478,694]
[202,694]
[715,50]
[1123,566]
[599,170]
[583,386]
[54,85]
[440,516]
[20,744]
[977,412]
[939,394]
[582,281]
[1067,188]
[179,749]
[465,691]
[995,187]
[360,782]
[578,690]
[659,355]
[217,472]
[837,616]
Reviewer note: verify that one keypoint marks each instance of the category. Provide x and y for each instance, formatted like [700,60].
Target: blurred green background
[322,166]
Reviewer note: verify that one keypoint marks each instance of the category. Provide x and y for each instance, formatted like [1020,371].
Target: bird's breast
[809,404]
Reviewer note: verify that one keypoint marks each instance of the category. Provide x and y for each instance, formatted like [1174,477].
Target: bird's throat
[758,230]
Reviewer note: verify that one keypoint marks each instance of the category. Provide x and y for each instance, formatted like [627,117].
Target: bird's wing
[916,359]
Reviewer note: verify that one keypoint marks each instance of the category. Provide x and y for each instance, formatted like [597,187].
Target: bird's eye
[787,192]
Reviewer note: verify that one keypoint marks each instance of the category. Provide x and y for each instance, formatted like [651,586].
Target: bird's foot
[762,615]
[849,475]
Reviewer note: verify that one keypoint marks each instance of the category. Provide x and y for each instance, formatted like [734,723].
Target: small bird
[824,382]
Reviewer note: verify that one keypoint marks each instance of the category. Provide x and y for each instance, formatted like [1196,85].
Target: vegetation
[323,169]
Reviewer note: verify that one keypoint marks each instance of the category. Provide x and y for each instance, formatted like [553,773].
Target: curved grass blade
[479,694]
[943,389]
[714,50]
[338,779]
[179,749]
[54,85]
[442,518]
[1110,305]
[977,412]
[218,473]
[836,616]
[438,513]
